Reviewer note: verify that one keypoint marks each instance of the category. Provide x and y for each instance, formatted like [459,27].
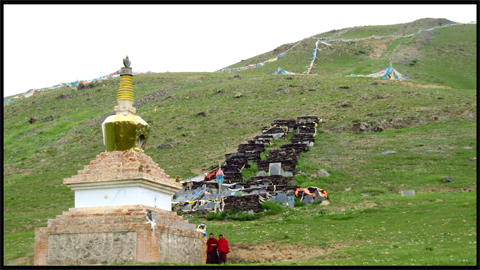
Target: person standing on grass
[220,176]
[212,255]
[223,250]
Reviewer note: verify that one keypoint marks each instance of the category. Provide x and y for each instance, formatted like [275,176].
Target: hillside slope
[432,128]
[445,56]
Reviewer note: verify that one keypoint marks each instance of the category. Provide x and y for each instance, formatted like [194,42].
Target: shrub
[271,208]
[216,216]
[242,216]
[250,172]
[297,202]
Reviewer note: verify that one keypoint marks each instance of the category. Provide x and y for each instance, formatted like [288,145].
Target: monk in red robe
[212,256]
[223,250]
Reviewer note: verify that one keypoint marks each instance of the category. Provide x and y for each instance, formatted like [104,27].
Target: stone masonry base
[116,234]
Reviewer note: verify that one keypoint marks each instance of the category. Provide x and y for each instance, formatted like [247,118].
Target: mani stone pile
[274,180]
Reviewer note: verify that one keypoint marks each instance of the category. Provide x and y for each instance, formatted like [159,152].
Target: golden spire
[125,91]
[125,130]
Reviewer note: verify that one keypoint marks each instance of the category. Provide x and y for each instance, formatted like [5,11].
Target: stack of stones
[303,138]
[288,165]
[291,124]
[263,139]
[298,147]
[273,181]
[308,119]
[307,128]
[243,203]
[252,151]
[275,131]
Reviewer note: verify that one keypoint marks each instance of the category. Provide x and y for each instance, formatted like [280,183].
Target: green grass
[37,160]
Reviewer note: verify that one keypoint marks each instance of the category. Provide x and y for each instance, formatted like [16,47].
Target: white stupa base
[126,192]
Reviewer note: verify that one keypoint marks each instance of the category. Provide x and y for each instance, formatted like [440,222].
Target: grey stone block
[318,197]
[323,172]
[291,202]
[275,168]
[261,173]
[447,179]
[282,197]
[187,207]
[210,205]
[307,199]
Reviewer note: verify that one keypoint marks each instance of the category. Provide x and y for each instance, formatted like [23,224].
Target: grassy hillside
[438,138]
[445,56]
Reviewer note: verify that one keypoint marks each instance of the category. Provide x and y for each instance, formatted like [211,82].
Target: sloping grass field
[436,226]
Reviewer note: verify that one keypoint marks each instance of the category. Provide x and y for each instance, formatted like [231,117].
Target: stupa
[112,197]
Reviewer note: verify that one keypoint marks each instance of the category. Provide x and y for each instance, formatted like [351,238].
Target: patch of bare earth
[415,84]
[381,124]
[379,47]
[257,253]
[448,189]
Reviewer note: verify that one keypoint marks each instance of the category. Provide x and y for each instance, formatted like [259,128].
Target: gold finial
[126,62]
[125,91]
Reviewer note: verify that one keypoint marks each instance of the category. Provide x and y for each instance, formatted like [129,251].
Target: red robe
[209,244]
[223,246]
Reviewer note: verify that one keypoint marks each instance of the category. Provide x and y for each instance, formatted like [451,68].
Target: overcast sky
[48,44]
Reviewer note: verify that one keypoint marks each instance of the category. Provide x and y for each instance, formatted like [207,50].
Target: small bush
[413,62]
[250,172]
[300,178]
[216,216]
[242,216]
[297,202]
[211,216]
[271,208]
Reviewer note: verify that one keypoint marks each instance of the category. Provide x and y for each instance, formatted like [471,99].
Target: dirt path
[256,253]
[415,84]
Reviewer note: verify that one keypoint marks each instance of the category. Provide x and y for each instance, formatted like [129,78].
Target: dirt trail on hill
[256,253]
[416,84]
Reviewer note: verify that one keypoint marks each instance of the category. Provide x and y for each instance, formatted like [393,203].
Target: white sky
[48,44]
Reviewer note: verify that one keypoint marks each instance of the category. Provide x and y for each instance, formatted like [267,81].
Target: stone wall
[104,235]
[91,248]
[243,203]
[179,249]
